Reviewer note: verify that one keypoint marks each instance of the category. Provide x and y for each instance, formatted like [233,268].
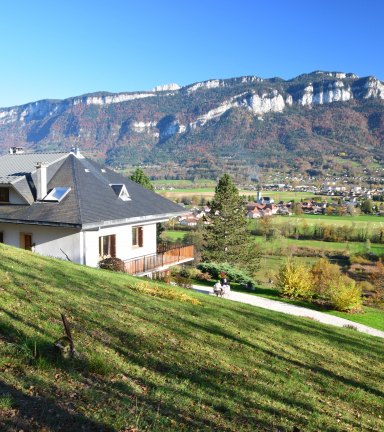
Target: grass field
[175,235]
[154,361]
[353,247]
[360,221]
[184,182]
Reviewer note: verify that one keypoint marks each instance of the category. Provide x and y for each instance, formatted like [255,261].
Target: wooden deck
[172,255]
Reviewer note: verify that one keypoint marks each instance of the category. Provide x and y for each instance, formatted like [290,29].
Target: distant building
[264,200]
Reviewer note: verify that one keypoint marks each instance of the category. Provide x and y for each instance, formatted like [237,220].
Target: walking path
[291,309]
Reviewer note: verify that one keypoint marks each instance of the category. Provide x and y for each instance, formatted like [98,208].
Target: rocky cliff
[130,126]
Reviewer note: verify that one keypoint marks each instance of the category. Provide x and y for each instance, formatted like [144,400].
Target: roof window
[121,191]
[57,194]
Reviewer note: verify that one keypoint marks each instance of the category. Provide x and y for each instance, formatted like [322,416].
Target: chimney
[16,150]
[41,186]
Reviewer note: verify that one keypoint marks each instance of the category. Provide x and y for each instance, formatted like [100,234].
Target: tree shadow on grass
[32,412]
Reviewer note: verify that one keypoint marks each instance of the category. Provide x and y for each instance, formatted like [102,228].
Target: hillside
[166,364]
[246,118]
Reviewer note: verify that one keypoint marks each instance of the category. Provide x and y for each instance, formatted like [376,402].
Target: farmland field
[277,196]
[360,221]
[352,246]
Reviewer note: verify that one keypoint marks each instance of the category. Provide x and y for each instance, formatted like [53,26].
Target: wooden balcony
[167,254]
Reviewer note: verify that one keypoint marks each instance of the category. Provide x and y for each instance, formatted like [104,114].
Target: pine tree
[141,178]
[227,238]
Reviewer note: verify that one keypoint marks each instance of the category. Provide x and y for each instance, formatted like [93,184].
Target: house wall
[48,240]
[82,247]
[124,249]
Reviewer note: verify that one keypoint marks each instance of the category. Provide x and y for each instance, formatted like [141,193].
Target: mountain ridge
[127,127]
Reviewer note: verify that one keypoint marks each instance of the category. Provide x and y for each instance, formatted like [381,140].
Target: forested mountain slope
[248,117]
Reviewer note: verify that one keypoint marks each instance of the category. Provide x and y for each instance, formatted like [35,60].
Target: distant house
[254,214]
[64,205]
[189,220]
[206,209]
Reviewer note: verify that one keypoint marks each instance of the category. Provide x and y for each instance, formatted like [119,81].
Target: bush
[113,264]
[182,281]
[323,273]
[155,290]
[356,259]
[203,276]
[232,273]
[293,279]
[346,295]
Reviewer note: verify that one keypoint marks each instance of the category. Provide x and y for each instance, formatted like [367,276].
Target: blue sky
[57,49]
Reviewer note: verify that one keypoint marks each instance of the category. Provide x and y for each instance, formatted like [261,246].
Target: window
[107,246]
[4,195]
[1,237]
[26,241]
[121,191]
[137,237]
[57,194]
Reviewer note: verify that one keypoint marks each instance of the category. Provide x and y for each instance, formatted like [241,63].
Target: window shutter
[113,245]
[141,240]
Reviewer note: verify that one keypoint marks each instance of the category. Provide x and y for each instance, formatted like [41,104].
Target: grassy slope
[157,364]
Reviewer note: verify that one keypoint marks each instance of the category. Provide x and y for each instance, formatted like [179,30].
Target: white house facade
[66,206]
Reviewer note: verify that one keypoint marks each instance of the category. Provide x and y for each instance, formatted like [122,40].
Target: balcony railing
[167,254]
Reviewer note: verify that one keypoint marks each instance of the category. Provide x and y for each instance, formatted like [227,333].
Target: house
[272,207]
[206,209]
[64,205]
[189,220]
[253,214]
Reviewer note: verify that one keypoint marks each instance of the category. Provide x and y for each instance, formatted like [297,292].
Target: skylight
[57,194]
[121,191]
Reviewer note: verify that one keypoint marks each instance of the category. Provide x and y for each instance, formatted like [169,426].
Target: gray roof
[19,164]
[91,200]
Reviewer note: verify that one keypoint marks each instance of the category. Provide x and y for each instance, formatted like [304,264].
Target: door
[27,242]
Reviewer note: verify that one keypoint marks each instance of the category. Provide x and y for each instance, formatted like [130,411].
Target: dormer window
[121,191]
[4,195]
[57,194]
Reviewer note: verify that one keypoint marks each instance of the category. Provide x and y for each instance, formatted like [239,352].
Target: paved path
[292,310]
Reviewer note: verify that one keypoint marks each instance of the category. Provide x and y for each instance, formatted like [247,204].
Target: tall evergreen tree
[141,178]
[227,238]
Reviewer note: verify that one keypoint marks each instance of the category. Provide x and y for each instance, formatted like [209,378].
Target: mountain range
[247,118]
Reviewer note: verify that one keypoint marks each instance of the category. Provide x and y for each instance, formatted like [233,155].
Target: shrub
[293,279]
[356,259]
[190,272]
[154,290]
[183,281]
[346,295]
[112,264]
[177,269]
[232,273]
[203,276]
[323,273]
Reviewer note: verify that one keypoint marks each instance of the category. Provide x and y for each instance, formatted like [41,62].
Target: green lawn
[152,360]
[175,235]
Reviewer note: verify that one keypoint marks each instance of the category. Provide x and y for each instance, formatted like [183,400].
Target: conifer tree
[227,238]
[141,178]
